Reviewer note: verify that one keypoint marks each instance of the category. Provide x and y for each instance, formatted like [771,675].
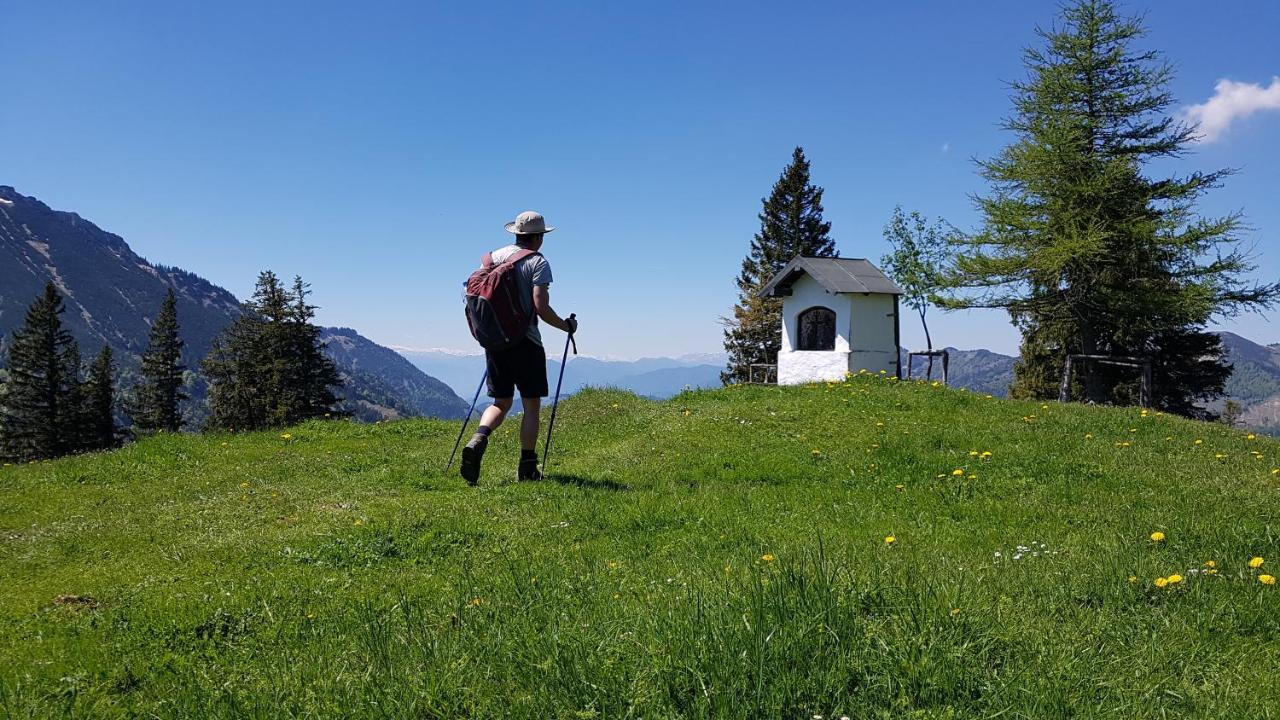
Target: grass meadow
[869,549]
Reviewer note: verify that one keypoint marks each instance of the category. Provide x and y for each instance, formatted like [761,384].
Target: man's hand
[572,323]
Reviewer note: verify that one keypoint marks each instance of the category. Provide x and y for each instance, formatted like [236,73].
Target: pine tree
[234,368]
[791,224]
[268,368]
[160,394]
[313,372]
[99,423]
[73,427]
[40,415]
[1088,253]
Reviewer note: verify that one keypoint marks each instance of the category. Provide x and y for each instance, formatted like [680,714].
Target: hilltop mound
[868,549]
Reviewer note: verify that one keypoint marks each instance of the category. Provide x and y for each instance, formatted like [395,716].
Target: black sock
[484,430]
[528,456]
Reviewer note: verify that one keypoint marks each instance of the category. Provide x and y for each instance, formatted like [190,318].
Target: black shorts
[523,366]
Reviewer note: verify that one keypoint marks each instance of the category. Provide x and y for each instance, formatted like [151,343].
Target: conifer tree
[73,428]
[99,423]
[1085,250]
[314,372]
[160,394]
[791,224]
[40,416]
[268,368]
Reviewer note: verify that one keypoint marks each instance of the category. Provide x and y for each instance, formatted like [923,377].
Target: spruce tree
[99,424]
[314,373]
[1087,251]
[791,224]
[73,424]
[160,394]
[40,417]
[268,368]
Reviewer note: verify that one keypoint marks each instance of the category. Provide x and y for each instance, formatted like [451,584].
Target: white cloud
[1231,100]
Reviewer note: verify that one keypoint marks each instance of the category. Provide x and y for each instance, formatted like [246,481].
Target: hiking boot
[472,454]
[528,471]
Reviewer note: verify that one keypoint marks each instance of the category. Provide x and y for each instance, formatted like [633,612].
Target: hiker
[515,361]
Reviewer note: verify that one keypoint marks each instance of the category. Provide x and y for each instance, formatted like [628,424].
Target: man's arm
[542,306]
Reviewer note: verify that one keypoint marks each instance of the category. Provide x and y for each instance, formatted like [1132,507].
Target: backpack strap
[521,255]
[486,260]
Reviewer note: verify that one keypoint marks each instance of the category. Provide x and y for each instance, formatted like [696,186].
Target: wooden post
[1064,392]
[1145,394]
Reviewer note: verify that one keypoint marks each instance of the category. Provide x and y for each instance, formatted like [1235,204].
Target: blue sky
[377,148]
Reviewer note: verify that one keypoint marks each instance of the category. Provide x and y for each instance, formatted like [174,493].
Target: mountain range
[111,294]
[657,377]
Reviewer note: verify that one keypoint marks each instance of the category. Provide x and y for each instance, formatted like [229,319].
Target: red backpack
[494,308]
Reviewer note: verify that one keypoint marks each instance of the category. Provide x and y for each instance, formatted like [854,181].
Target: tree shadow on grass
[589,483]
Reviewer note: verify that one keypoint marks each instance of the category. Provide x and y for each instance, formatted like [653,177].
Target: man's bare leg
[529,439]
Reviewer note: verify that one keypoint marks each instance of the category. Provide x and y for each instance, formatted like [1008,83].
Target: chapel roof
[835,275]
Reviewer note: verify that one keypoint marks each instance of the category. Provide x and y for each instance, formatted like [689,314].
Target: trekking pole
[463,431]
[564,359]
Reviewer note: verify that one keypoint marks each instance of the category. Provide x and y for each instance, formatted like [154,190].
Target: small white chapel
[839,315]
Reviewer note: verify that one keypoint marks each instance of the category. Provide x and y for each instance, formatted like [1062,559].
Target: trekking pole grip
[574,343]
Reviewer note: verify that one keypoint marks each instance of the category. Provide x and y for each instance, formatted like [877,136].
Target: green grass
[339,573]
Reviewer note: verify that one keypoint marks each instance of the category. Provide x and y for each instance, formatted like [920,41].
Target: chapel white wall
[801,366]
[872,333]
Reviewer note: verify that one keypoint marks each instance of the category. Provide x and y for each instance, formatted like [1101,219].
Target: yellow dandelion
[286,436]
[1088,436]
[1250,436]
[986,455]
[899,488]
[1133,579]
[1161,582]
[311,616]
[879,424]
[244,484]
[973,453]
[1210,564]
[1157,536]
[359,522]
[1267,579]
[955,612]
[957,472]
[476,602]
[768,557]
[889,539]
[1174,579]
[1219,456]
[687,413]
[1199,441]
[1255,562]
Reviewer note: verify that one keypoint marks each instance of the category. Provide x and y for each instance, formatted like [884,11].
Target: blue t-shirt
[533,270]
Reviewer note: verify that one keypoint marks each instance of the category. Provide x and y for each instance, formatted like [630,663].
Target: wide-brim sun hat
[528,223]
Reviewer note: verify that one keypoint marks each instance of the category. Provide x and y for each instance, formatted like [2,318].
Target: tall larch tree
[160,395]
[1086,250]
[791,224]
[40,415]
